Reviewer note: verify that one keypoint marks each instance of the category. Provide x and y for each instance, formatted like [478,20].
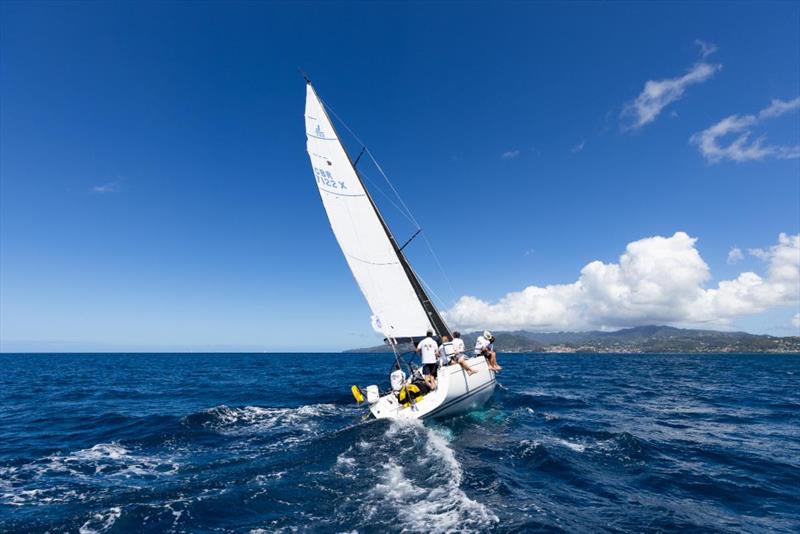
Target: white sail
[359,230]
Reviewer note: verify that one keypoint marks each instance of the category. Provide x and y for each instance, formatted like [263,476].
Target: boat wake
[416,482]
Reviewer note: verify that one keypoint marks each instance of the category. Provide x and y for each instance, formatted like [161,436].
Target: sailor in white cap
[485,346]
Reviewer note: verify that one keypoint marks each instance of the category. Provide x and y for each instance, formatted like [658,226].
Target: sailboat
[402,310]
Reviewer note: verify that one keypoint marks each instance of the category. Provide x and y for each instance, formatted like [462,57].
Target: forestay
[365,241]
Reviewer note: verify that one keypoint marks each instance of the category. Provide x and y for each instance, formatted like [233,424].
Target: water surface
[273,442]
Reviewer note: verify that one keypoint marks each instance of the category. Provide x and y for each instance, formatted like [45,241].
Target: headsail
[401,307]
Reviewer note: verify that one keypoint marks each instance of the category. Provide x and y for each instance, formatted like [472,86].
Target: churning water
[274,442]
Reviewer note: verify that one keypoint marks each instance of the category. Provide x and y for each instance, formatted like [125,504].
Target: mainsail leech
[393,291]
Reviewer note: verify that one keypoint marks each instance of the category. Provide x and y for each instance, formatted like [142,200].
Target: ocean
[274,443]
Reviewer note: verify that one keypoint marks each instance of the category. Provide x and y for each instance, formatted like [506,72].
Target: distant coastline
[639,340]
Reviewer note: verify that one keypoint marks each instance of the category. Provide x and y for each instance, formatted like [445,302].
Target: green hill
[640,339]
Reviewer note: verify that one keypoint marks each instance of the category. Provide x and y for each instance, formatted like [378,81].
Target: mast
[435,318]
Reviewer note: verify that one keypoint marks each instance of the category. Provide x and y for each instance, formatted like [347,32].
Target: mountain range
[641,339]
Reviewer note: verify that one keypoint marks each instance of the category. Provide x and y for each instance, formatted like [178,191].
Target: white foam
[264,479]
[114,460]
[577,447]
[529,446]
[541,392]
[53,494]
[417,481]
[102,451]
[345,465]
[102,521]
[31,483]
[436,503]
[258,419]
[176,514]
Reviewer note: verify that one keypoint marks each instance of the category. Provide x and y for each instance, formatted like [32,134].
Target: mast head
[304,75]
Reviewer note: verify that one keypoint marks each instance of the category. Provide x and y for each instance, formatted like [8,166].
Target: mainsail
[401,307]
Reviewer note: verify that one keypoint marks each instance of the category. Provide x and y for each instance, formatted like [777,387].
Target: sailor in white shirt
[427,349]
[446,352]
[458,353]
[485,346]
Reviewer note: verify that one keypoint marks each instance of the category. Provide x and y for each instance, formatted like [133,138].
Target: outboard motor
[397,378]
[373,394]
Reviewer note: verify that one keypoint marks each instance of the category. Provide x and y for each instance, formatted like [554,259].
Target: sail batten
[400,306]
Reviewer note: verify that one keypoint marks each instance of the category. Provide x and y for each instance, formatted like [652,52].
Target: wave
[442,507]
[257,419]
[559,448]
[101,522]
[113,460]
[543,398]
[577,447]
[417,482]
[61,478]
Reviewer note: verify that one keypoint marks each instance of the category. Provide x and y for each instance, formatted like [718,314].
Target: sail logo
[319,132]
[324,178]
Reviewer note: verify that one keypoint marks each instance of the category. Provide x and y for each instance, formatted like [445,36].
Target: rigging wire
[441,268]
[380,170]
[388,199]
[405,211]
[424,236]
[431,291]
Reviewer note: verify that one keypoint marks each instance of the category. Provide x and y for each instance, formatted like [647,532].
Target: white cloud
[110,187]
[742,149]
[577,148]
[735,255]
[760,253]
[657,280]
[510,154]
[706,49]
[658,94]
[796,320]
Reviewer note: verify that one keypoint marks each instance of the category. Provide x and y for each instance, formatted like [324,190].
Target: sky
[573,165]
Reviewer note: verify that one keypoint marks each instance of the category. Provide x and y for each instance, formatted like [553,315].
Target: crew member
[458,353]
[427,349]
[485,346]
[445,352]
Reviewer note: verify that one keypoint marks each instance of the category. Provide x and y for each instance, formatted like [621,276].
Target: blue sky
[155,192]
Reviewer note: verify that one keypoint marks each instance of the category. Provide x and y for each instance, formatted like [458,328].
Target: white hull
[456,393]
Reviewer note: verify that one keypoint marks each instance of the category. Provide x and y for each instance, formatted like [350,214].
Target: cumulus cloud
[656,280]
[510,154]
[760,253]
[658,94]
[796,320]
[735,256]
[741,148]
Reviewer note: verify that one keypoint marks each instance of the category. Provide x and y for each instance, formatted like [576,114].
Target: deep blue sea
[274,443]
